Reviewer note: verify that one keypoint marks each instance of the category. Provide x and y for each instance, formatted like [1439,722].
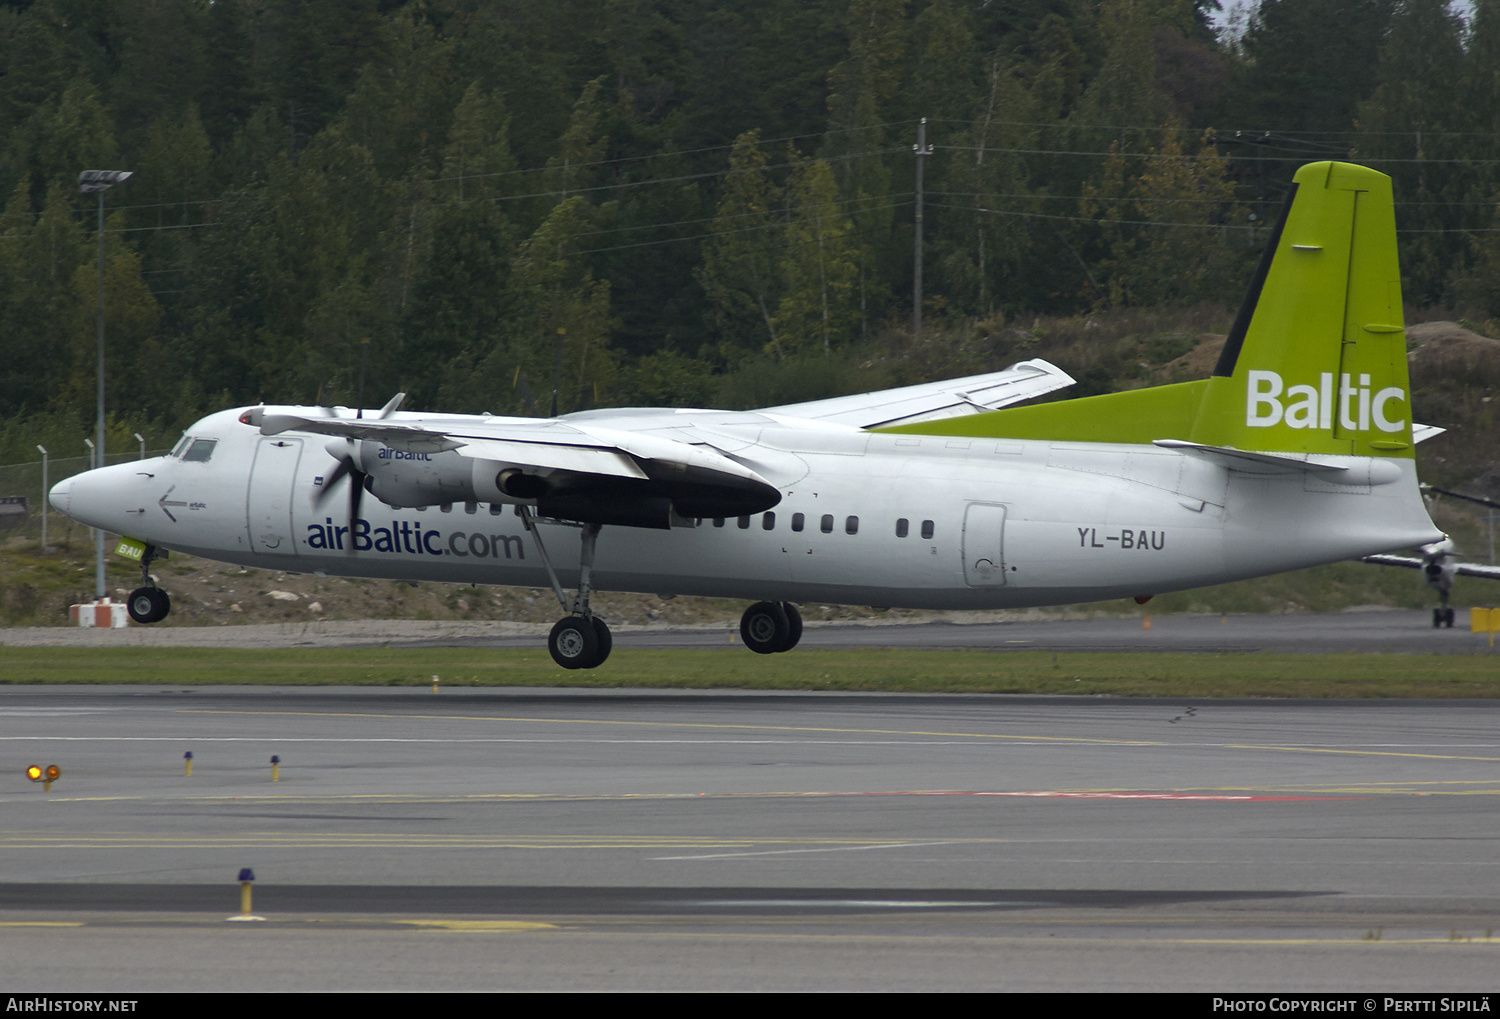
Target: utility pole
[97,182]
[921,150]
[45,492]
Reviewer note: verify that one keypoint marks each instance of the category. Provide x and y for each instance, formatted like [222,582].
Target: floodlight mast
[98,182]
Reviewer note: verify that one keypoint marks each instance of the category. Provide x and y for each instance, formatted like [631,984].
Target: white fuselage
[885,519]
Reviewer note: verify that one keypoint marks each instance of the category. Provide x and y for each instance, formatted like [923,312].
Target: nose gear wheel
[148,603]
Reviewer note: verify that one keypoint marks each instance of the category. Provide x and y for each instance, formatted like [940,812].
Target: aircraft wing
[932,401]
[550,444]
[1416,563]
[581,457]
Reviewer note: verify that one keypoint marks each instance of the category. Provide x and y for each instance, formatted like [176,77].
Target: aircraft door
[273,478]
[984,532]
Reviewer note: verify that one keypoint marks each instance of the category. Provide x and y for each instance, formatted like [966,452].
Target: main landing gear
[580,640]
[148,603]
[770,627]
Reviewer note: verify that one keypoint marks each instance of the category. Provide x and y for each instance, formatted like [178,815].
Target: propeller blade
[356,494]
[344,468]
[343,452]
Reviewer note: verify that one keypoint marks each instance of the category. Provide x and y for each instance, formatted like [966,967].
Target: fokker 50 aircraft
[1440,567]
[1297,451]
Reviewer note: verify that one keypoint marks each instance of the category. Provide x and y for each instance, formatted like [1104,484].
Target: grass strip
[1131,674]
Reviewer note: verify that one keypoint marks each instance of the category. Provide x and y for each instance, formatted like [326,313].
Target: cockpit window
[200,450]
[181,445]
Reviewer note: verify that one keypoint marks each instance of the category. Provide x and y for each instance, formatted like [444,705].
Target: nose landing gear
[1442,616]
[148,603]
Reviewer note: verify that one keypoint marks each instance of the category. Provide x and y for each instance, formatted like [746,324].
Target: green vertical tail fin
[1316,359]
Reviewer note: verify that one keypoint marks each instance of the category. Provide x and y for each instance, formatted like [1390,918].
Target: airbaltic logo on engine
[387,453]
[1312,406]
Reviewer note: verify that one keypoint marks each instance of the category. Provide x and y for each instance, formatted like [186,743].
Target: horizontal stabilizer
[1414,563]
[1251,463]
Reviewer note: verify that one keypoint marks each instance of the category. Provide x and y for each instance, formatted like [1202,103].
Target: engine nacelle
[403,479]
[667,497]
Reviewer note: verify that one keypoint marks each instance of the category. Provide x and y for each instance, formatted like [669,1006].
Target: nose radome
[61,496]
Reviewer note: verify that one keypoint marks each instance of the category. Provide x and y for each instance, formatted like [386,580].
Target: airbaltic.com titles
[409,538]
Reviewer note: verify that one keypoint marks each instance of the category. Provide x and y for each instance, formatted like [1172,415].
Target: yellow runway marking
[677,725]
[41,923]
[1361,753]
[743,726]
[386,840]
[478,926]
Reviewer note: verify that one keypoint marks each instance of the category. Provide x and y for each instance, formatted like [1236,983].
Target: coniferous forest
[680,202]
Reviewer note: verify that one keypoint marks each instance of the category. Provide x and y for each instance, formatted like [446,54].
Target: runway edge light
[51,773]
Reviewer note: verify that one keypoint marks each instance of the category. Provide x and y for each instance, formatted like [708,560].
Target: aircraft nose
[61,496]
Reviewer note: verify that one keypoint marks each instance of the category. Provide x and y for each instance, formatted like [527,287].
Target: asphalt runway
[1385,630]
[628,840]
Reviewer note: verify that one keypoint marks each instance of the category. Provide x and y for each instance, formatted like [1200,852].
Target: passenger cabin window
[826,523]
[718,521]
[797,521]
[446,507]
[496,509]
[927,528]
[471,507]
[851,525]
[901,527]
[768,522]
[744,523]
[200,450]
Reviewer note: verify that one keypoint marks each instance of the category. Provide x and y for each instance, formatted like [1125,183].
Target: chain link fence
[23,497]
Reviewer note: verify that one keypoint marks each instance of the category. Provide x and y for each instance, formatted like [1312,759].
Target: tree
[818,310]
[739,271]
[1162,228]
[861,88]
[38,257]
[559,329]
[1308,64]
[1407,121]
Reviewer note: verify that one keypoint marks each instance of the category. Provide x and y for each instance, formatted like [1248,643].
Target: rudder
[1316,360]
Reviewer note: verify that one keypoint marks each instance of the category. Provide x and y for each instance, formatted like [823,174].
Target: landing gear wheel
[1437,618]
[606,642]
[1448,618]
[574,643]
[794,626]
[765,628]
[148,605]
